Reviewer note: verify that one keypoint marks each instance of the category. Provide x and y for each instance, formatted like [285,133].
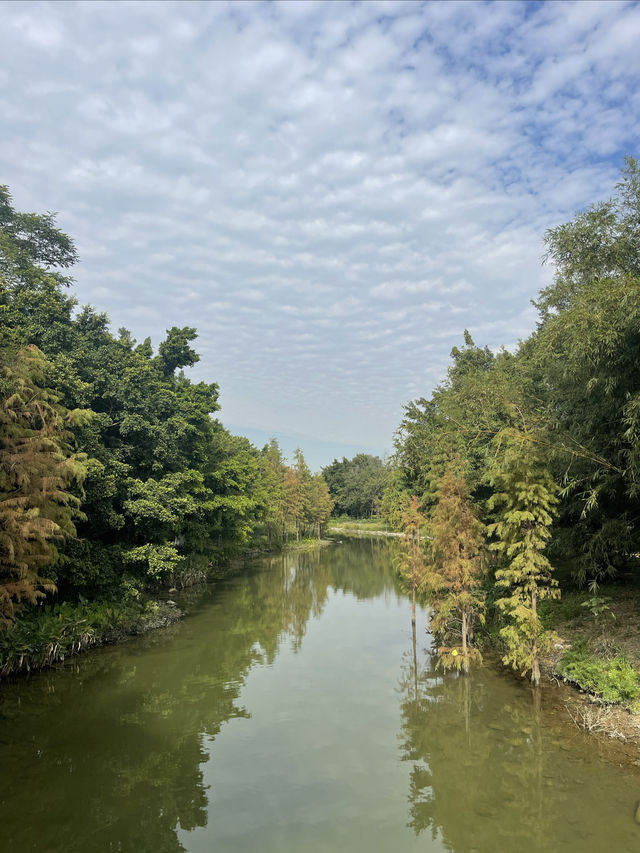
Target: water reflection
[278,692]
[108,753]
[489,771]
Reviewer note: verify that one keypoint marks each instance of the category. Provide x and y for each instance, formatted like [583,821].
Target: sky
[330,192]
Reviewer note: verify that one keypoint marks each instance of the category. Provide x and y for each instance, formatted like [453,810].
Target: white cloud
[330,193]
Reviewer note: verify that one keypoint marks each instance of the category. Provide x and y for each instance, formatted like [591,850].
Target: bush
[614,680]
[44,636]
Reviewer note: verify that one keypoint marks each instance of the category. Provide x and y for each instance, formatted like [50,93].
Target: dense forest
[115,475]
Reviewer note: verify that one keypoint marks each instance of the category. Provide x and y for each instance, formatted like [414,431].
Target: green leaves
[357,485]
[159,561]
[524,507]
[165,485]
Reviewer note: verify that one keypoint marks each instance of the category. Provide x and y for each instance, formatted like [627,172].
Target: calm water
[289,713]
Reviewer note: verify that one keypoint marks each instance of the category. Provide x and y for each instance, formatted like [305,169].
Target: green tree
[583,364]
[167,487]
[395,499]
[357,485]
[273,475]
[525,503]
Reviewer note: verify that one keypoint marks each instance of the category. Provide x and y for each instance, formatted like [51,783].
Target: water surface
[290,712]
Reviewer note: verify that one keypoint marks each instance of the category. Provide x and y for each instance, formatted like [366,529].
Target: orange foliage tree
[453,580]
[37,469]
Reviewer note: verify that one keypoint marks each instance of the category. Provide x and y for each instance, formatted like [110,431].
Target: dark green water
[287,714]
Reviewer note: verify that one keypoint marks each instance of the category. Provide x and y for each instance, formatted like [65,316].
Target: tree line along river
[290,712]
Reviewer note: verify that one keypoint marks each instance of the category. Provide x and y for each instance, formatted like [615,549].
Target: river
[288,713]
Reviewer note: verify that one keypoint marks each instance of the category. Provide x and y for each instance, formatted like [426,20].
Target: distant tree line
[357,485]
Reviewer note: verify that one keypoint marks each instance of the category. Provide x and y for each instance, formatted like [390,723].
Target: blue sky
[330,192]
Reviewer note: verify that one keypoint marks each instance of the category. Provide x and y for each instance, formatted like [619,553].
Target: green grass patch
[613,679]
[569,607]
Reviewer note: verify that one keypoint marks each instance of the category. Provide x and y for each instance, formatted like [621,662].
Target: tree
[292,500]
[166,485]
[454,579]
[412,561]
[357,485]
[395,499]
[273,476]
[302,501]
[321,502]
[37,470]
[525,503]
[175,351]
[583,358]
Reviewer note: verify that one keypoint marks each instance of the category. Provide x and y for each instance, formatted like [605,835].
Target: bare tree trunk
[535,665]
[467,708]
[415,661]
[465,653]
[413,609]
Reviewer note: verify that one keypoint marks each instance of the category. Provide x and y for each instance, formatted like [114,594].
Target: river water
[289,714]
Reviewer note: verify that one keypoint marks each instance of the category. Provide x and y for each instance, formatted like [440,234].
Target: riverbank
[361,527]
[52,633]
[357,531]
[596,652]
[47,635]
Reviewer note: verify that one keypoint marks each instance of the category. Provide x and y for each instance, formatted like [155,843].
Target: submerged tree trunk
[413,609]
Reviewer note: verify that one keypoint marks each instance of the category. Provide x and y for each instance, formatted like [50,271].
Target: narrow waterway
[289,713]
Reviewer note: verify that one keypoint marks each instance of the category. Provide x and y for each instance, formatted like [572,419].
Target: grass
[348,523]
[604,633]
[612,679]
[305,544]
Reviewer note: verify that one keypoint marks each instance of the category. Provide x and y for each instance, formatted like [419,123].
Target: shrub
[614,680]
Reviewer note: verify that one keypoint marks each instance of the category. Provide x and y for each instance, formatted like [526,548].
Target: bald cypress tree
[454,578]
[525,504]
[412,560]
[37,469]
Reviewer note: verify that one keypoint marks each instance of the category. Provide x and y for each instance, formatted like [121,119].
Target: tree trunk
[465,653]
[415,661]
[535,665]
[413,608]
